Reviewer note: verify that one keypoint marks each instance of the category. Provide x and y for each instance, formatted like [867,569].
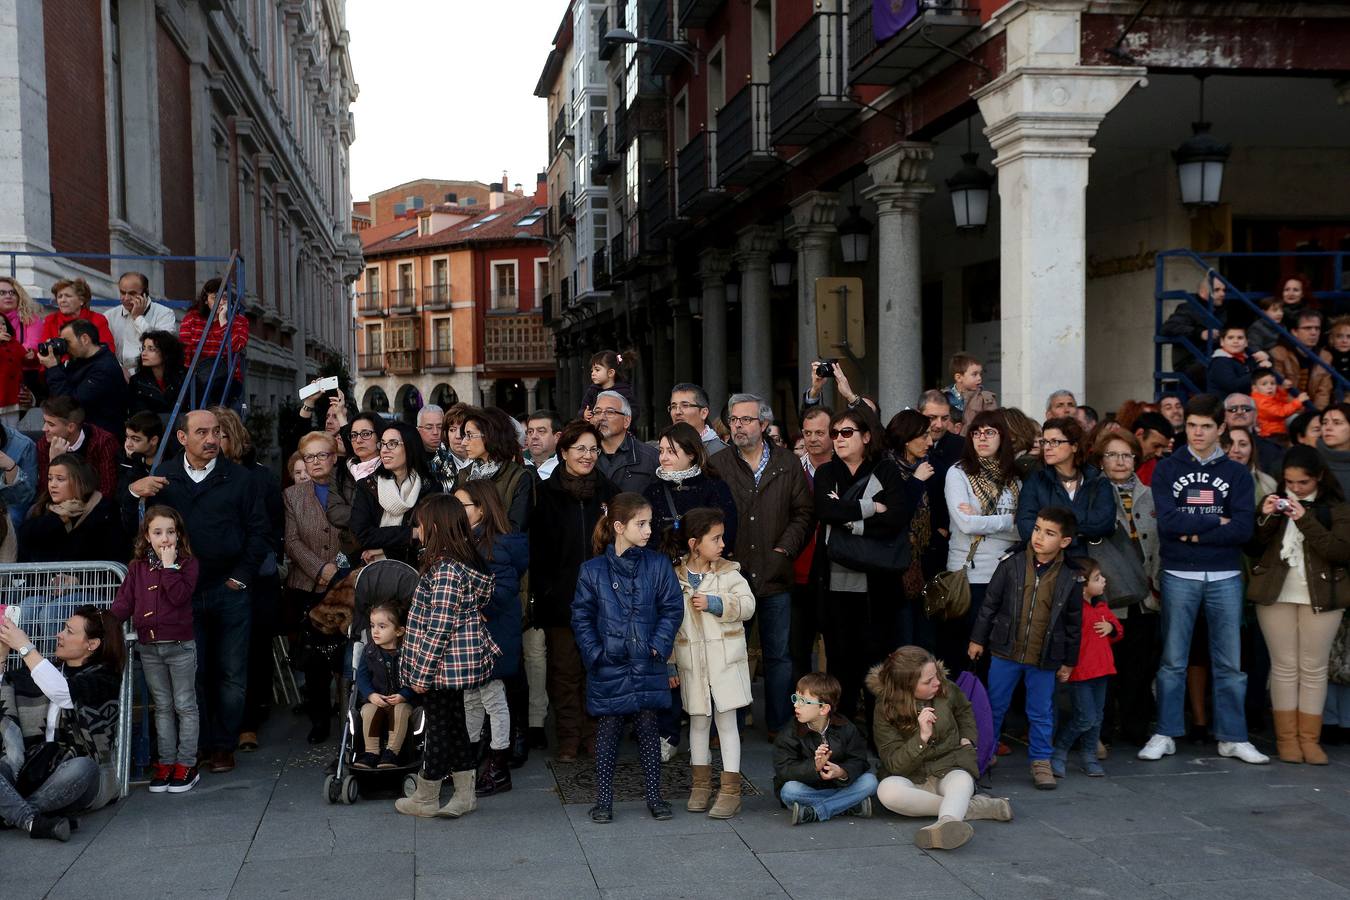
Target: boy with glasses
[820,766]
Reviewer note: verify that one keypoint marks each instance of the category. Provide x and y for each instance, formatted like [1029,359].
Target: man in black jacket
[228,529]
[92,376]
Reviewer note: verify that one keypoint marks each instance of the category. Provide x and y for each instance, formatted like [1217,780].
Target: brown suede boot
[1286,735]
[701,793]
[1041,776]
[728,802]
[944,834]
[1309,733]
[982,806]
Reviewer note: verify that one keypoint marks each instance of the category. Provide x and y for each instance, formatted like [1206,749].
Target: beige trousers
[948,797]
[1300,644]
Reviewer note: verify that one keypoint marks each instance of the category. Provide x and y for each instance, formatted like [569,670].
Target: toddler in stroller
[386,706]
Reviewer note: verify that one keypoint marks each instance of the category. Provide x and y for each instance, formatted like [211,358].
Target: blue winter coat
[510,560]
[626,613]
[1094,504]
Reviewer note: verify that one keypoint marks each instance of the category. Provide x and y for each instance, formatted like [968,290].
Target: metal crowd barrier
[47,594]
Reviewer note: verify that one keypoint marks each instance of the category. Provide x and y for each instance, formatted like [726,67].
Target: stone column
[898,187]
[532,392]
[25,175]
[683,343]
[753,246]
[486,390]
[1040,116]
[713,265]
[813,234]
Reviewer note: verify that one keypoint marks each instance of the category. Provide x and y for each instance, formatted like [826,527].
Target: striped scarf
[989,485]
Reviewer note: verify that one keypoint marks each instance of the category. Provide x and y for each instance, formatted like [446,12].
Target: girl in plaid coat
[447,649]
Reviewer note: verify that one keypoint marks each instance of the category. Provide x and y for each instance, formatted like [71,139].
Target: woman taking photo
[1132,575]
[209,314]
[568,505]
[981,491]
[909,442]
[861,493]
[493,451]
[81,689]
[1065,481]
[159,378]
[1300,589]
[685,481]
[72,521]
[382,519]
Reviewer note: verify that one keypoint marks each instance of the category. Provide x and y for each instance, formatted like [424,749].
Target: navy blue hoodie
[1191,497]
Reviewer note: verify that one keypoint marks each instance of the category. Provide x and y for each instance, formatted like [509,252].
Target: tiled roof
[489,225]
[377,233]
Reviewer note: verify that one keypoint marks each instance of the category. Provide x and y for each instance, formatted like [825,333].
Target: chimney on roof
[518,190]
[541,178]
[495,196]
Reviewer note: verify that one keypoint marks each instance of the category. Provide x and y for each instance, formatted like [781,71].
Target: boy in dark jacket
[1032,629]
[1232,366]
[820,767]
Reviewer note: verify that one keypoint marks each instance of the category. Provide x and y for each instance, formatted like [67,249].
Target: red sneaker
[159,778]
[1003,749]
[184,779]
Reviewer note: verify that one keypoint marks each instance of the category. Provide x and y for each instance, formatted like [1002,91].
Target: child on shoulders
[606,368]
[820,767]
[1274,406]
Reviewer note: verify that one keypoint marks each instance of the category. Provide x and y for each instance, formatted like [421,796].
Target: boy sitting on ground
[820,767]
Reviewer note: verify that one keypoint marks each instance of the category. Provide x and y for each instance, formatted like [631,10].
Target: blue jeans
[1182,599]
[220,620]
[774,614]
[170,669]
[1004,674]
[1089,704]
[830,802]
[71,788]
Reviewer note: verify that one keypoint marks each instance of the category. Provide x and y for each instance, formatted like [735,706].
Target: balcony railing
[436,297]
[403,362]
[561,131]
[440,360]
[600,269]
[603,162]
[517,341]
[939,25]
[696,13]
[403,301]
[744,147]
[370,364]
[697,191]
[563,214]
[808,81]
[369,303]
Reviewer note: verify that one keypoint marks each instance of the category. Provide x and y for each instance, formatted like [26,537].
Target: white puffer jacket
[710,651]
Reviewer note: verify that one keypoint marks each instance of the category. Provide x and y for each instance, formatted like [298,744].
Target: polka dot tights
[608,732]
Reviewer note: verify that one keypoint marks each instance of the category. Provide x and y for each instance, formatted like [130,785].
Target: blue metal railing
[1208,263]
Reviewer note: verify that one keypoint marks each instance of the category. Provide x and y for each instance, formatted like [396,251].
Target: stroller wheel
[332,789]
[409,786]
[350,791]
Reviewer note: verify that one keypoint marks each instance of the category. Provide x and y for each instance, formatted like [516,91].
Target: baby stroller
[380,581]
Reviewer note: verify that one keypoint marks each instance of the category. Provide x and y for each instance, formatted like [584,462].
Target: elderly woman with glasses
[1066,481]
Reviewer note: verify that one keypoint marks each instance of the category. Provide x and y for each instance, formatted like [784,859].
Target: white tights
[947,798]
[700,730]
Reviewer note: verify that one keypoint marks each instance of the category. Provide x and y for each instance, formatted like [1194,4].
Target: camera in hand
[54,347]
[825,368]
[1283,505]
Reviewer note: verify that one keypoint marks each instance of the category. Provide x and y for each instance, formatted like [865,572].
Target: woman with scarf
[909,442]
[493,451]
[72,521]
[567,507]
[981,491]
[358,458]
[382,519]
[685,481]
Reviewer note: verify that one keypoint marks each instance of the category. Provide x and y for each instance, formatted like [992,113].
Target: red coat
[52,325]
[11,371]
[158,600]
[1095,658]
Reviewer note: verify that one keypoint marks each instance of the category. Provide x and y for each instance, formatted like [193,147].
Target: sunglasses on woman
[844,432]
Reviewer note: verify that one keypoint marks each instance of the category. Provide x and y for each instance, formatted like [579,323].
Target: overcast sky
[447,89]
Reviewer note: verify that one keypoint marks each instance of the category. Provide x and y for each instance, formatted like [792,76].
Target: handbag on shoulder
[947,595]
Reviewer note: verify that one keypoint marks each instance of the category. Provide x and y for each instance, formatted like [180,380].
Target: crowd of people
[1174,570]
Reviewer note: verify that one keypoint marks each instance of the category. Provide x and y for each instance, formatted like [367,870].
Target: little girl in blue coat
[627,610]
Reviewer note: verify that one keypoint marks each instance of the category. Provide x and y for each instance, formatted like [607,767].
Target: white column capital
[814,211]
[900,164]
[892,199]
[713,264]
[753,246]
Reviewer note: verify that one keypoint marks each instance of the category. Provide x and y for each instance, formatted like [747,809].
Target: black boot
[55,828]
[520,747]
[496,775]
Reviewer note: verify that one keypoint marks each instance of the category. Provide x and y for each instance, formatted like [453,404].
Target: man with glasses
[1240,412]
[689,404]
[137,315]
[1297,366]
[431,428]
[775,513]
[629,464]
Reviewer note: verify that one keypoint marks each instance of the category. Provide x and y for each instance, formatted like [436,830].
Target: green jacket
[903,754]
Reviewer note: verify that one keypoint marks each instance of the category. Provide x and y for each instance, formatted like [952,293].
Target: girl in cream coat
[710,657]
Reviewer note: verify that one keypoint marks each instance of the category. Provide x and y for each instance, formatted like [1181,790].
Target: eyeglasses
[1117,456]
[389,445]
[743,420]
[1240,409]
[470,435]
[363,435]
[8,292]
[799,700]
[684,405]
[984,433]
[429,427]
[316,457]
[845,433]
[584,451]
[1052,443]
[603,413]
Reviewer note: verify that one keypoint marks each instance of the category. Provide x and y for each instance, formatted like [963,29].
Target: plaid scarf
[989,485]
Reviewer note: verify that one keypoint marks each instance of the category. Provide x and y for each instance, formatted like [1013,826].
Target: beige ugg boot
[1309,733]
[728,802]
[982,806]
[1287,735]
[424,801]
[465,800]
[944,834]
[701,793]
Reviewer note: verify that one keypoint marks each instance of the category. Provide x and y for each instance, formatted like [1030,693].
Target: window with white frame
[504,294]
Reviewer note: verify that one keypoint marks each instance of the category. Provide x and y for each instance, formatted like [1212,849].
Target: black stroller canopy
[385,580]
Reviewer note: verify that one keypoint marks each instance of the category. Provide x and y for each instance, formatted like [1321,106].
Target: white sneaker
[668,750]
[1244,751]
[1161,745]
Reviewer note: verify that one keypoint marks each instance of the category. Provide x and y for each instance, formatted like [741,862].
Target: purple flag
[889,16]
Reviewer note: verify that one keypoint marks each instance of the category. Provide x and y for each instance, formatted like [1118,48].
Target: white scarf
[1291,546]
[360,469]
[395,499]
[679,477]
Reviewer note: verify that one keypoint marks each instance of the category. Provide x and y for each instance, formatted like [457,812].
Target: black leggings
[608,733]
[446,747]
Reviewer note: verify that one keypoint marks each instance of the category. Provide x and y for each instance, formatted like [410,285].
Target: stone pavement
[1190,826]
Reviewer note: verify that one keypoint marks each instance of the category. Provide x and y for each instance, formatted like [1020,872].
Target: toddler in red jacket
[157,598]
[1087,684]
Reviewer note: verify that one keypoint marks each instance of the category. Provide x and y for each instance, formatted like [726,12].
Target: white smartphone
[318,387]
